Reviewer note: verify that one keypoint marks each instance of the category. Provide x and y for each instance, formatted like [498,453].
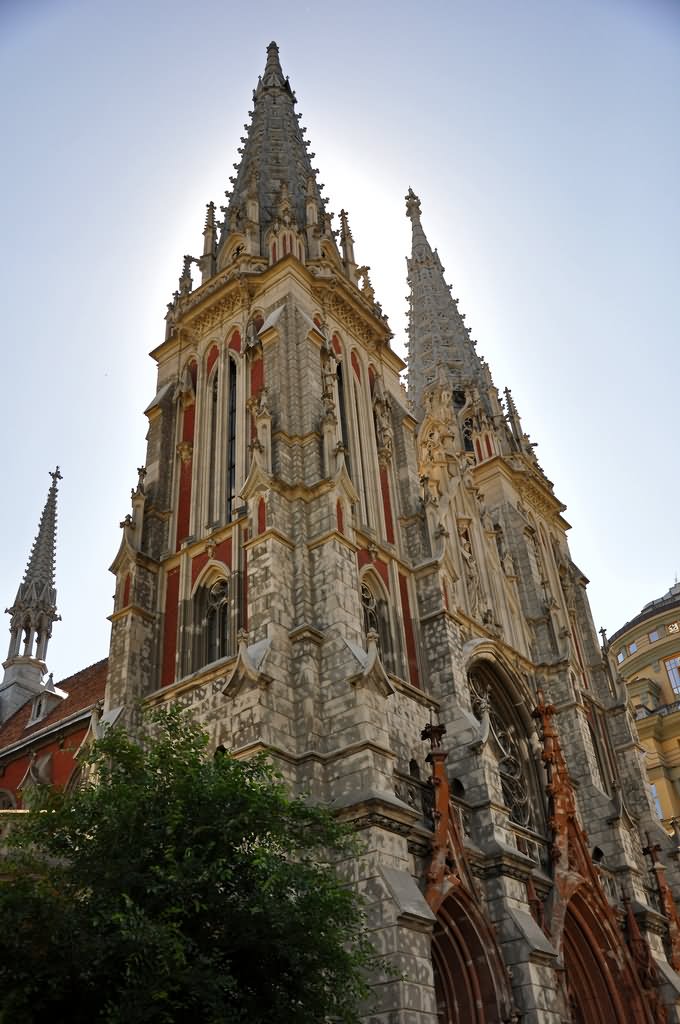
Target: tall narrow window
[377,620]
[361,459]
[213,505]
[231,442]
[214,625]
[344,433]
[467,436]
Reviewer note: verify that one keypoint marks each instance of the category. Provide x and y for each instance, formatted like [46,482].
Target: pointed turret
[438,336]
[33,612]
[275,169]
[347,247]
[513,418]
[207,261]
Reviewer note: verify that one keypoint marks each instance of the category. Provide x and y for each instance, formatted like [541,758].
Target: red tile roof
[84,689]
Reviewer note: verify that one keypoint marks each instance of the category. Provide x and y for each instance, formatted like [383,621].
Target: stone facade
[375,586]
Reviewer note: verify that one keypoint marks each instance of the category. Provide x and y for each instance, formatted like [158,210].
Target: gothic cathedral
[374,585]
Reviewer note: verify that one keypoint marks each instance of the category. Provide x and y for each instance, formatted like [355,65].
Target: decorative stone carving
[185,450]
[473,585]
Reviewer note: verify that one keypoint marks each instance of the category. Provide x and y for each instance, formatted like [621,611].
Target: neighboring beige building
[647,653]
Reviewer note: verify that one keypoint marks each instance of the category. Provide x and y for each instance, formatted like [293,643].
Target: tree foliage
[177,888]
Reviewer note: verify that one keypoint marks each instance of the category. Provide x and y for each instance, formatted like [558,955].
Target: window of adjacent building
[657,802]
[673,670]
[632,648]
[656,634]
[621,656]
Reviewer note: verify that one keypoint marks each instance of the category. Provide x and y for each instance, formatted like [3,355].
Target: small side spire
[347,247]
[513,417]
[40,569]
[207,263]
[185,282]
[32,614]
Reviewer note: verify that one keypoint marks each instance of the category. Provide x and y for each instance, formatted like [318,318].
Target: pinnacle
[40,568]
[273,74]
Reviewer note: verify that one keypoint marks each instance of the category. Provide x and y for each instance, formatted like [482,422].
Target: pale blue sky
[542,138]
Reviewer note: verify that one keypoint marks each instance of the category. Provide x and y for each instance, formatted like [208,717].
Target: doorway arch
[601,983]
[471,983]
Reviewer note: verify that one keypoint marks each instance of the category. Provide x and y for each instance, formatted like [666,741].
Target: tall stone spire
[275,181]
[438,337]
[32,614]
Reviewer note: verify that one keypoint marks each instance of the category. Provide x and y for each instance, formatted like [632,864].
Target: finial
[210,215]
[346,231]
[185,281]
[512,408]
[273,74]
[412,207]
[56,475]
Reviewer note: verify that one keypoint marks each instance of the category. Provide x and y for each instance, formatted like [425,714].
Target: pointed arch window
[213,512]
[231,441]
[519,783]
[222,436]
[376,619]
[361,483]
[344,432]
[214,623]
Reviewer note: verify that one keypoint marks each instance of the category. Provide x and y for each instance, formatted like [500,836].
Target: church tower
[377,589]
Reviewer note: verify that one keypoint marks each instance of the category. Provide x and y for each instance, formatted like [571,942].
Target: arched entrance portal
[600,984]
[471,984]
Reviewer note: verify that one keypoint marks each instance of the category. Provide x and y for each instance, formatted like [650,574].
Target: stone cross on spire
[438,336]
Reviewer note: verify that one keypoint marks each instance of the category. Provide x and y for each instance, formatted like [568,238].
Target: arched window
[214,391]
[376,619]
[509,743]
[222,449]
[231,441]
[361,483]
[467,436]
[344,432]
[214,623]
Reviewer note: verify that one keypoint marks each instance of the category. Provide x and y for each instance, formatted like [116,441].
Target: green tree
[177,888]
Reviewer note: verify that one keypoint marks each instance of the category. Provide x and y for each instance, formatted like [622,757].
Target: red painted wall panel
[170,633]
[408,630]
[387,504]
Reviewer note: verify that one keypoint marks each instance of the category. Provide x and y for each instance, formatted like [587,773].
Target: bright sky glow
[543,141]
